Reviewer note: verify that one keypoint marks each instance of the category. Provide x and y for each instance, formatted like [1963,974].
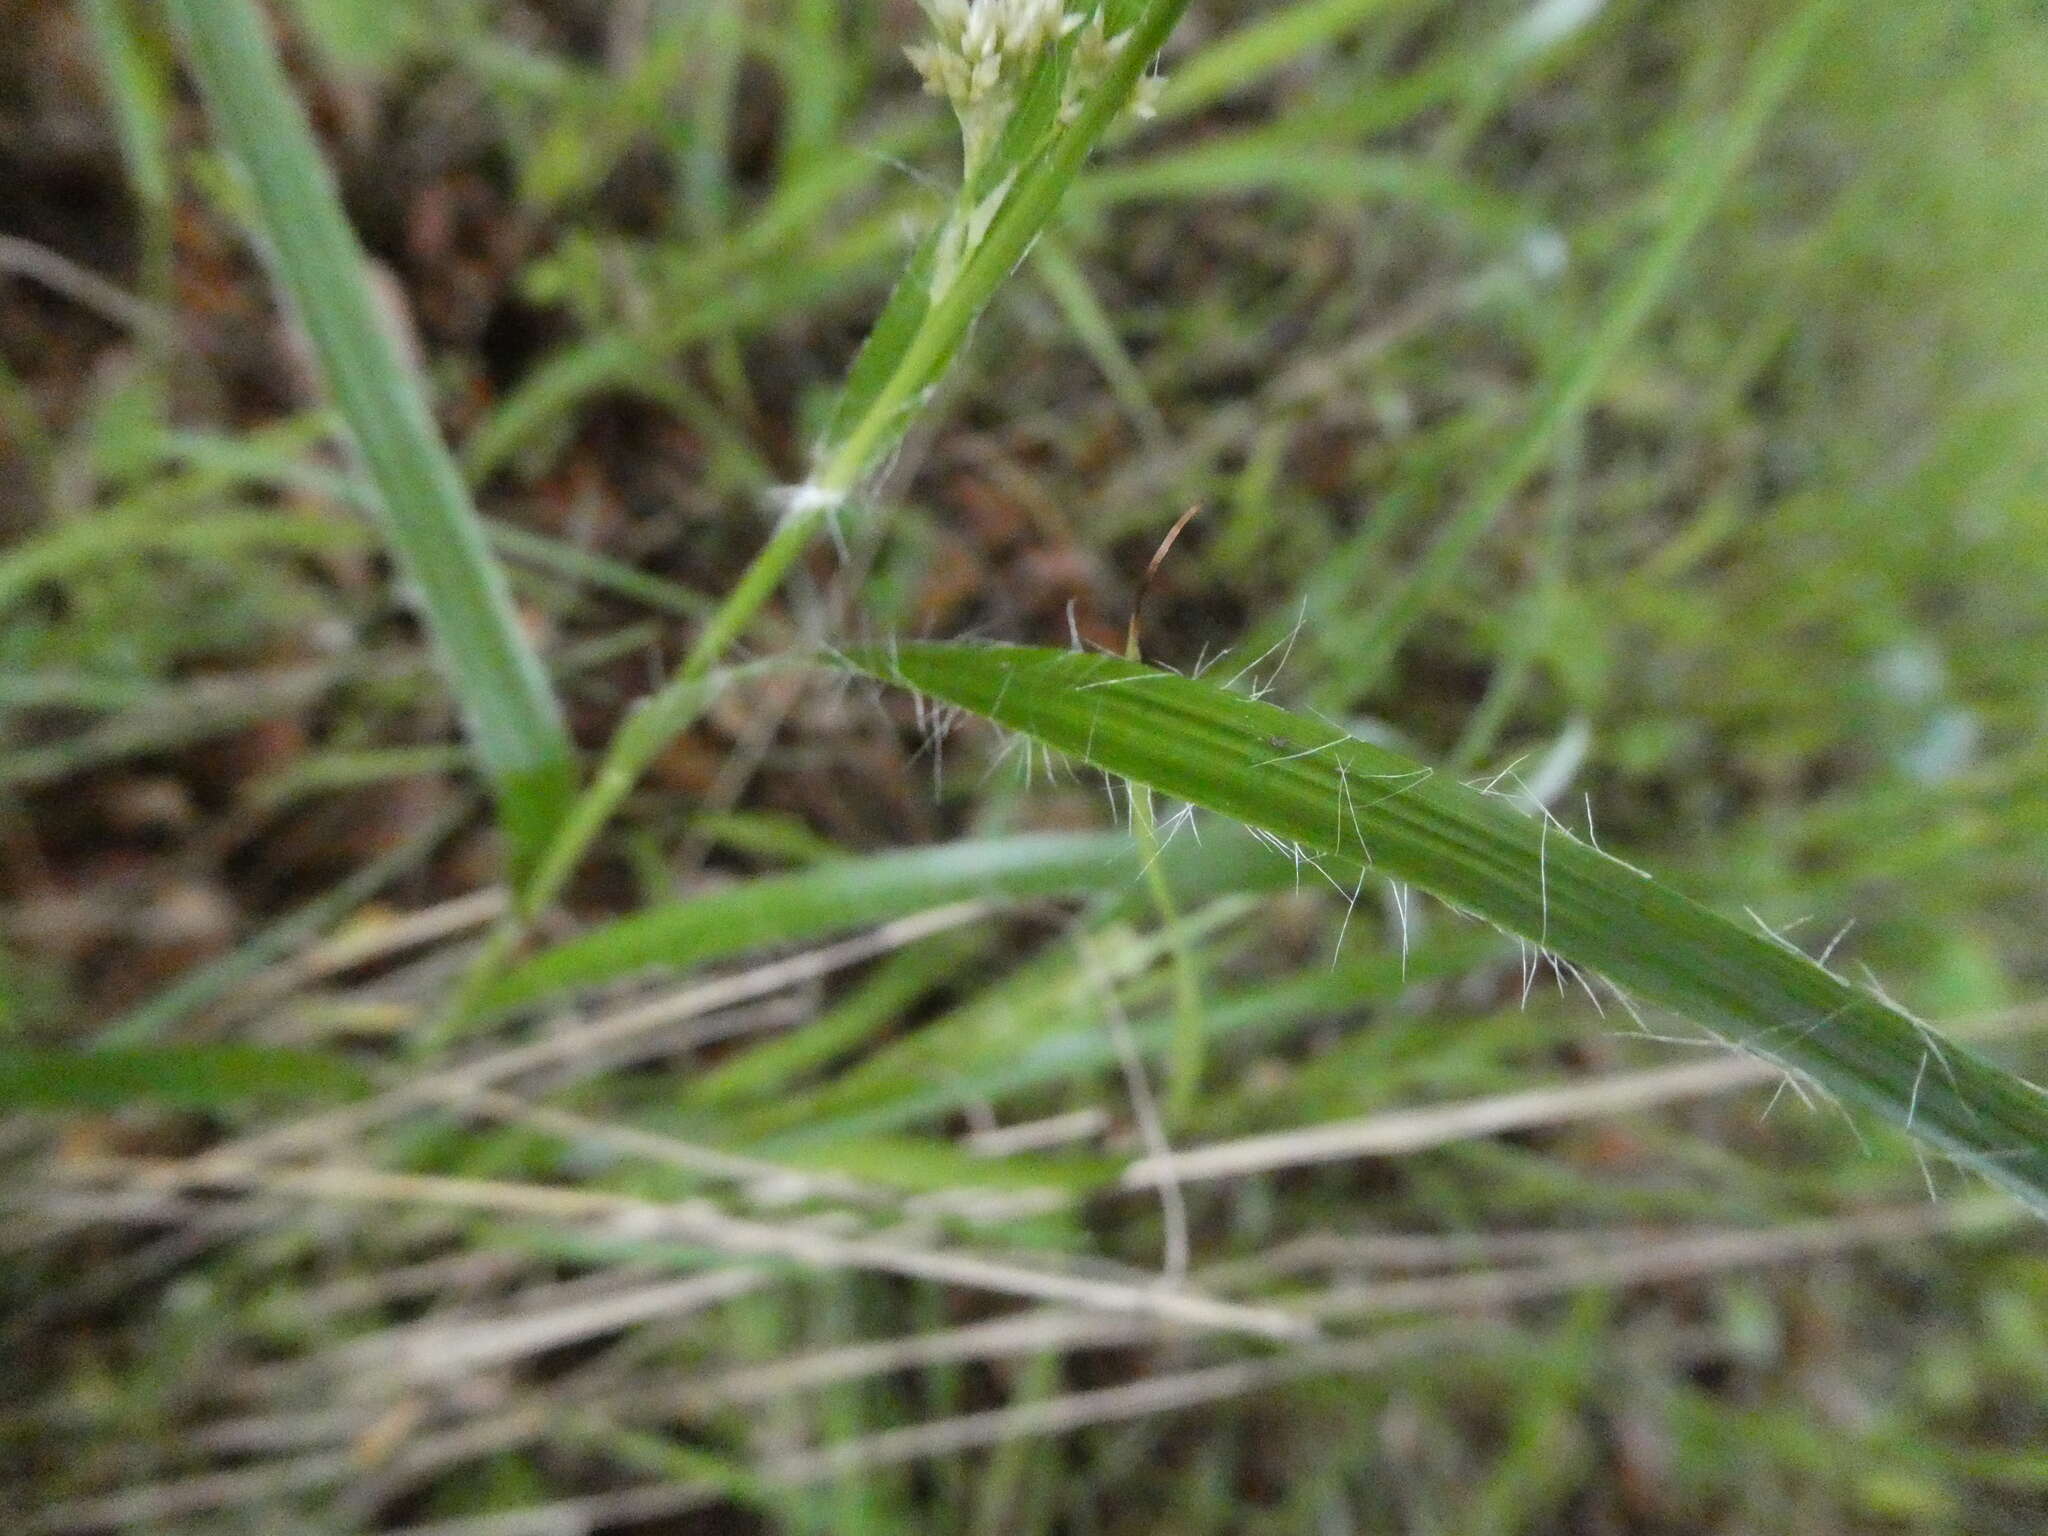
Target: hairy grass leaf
[1311,785]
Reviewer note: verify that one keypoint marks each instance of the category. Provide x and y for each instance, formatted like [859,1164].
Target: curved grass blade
[71,550]
[507,703]
[1309,784]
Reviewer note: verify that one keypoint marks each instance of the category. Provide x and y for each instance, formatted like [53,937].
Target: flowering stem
[940,332]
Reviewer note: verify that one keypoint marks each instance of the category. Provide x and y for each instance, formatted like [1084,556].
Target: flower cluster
[983,51]
[1094,52]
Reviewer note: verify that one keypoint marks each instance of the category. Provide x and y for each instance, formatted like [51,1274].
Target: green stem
[655,722]
[658,720]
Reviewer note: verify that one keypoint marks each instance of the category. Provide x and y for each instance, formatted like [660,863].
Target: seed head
[981,54]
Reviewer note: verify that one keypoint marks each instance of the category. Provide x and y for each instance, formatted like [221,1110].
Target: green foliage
[1030,169]
[1644,398]
[1319,789]
[1007,202]
[510,709]
[834,897]
[219,1077]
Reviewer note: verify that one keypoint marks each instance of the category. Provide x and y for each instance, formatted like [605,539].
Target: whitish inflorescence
[983,53]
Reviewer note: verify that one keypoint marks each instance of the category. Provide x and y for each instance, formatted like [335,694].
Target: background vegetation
[825,1193]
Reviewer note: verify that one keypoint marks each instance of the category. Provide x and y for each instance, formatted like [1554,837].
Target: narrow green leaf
[1312,786]
[844,894]
[1056,1044]
[890,337]
[832,897]
[70,550]
[768,1070]
[511,712]
[177,1077]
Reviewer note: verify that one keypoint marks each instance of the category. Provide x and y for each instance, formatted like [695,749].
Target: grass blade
[510,711]
[1260,48]
[177,1077]
[831,898]
[845,894]
[1309,784]
[901,1088]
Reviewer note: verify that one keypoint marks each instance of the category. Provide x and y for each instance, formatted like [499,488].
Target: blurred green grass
[1770,607]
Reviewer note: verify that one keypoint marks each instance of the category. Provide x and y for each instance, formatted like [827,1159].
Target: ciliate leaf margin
[1313,788]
